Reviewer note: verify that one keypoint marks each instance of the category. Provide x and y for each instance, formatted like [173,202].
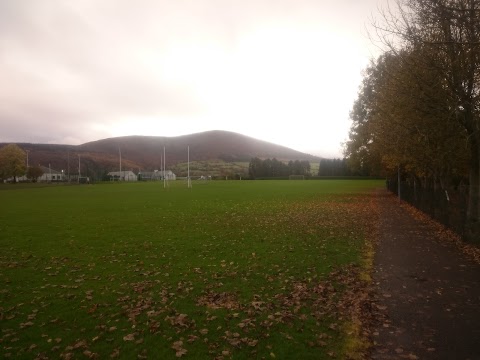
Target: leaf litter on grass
[287,281]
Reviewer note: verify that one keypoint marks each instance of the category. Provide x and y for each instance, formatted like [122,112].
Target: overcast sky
[284,71]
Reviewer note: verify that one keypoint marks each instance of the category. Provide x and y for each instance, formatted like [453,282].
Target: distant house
[17,179]
[50,174]
[122,176]
[157,175]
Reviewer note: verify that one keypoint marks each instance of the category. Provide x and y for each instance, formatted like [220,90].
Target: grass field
[228,269]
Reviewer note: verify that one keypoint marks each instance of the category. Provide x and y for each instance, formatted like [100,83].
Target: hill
[145,152]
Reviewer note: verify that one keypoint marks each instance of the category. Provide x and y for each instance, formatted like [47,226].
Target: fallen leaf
[129,337]
[253,343]
[115,353]
[181,352]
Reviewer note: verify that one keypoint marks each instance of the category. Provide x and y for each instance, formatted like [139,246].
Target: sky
[283,71]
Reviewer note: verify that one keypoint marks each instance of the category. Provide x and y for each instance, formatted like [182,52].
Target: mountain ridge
[146,152]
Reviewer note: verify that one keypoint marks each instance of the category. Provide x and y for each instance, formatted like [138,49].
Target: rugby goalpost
[163,162]
[164,169]
[189,181]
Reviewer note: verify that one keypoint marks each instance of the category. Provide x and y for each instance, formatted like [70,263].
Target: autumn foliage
[417,112]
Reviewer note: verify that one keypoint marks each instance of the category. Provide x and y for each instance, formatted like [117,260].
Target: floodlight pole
[68,165]
[161,165]
[164,177]
[189,183]
[120,172]
[27,151]
[79,168]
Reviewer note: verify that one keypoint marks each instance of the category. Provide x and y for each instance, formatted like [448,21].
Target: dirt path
[428,291]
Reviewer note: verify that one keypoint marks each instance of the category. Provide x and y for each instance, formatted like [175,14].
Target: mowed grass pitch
[232,269]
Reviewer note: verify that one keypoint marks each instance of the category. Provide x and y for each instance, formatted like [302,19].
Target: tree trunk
[473,210]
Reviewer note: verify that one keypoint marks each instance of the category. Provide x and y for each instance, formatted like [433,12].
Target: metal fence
[448,207]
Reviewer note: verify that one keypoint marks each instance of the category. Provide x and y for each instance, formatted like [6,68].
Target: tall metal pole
[120,172]
[79,168]
[27,157]
[68,165]
[189,183]
[164,175]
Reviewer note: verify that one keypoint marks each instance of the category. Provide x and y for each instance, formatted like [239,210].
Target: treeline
[417,115]
[334,167]
[259,168]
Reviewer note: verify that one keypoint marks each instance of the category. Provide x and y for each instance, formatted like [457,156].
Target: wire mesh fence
[447,206]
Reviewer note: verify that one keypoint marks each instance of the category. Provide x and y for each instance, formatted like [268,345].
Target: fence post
[399,187]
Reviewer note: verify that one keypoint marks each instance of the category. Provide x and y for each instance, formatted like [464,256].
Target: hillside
[145,152]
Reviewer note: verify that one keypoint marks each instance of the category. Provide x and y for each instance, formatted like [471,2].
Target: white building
[157,175]
[122,176]
[50,174]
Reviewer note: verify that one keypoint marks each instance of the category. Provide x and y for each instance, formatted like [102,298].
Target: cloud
[79,71]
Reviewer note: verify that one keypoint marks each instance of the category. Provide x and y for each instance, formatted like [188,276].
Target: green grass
[237,269]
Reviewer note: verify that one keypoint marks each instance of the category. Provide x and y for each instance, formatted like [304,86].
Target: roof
[121,173]
[47,170]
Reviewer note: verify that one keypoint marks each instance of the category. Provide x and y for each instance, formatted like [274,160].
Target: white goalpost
[164,167]
[189,181]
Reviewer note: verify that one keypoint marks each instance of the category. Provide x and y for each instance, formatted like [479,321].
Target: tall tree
[34,172]
[12,162]
[255,168]
[447,34]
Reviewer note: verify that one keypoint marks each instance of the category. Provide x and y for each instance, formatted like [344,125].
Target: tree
[276,168]
[255,168]
[12,162]
[333,167]
[34,172]
[401,122]
[447,34]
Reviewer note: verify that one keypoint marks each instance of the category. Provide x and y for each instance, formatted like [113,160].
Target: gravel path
[428,291]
